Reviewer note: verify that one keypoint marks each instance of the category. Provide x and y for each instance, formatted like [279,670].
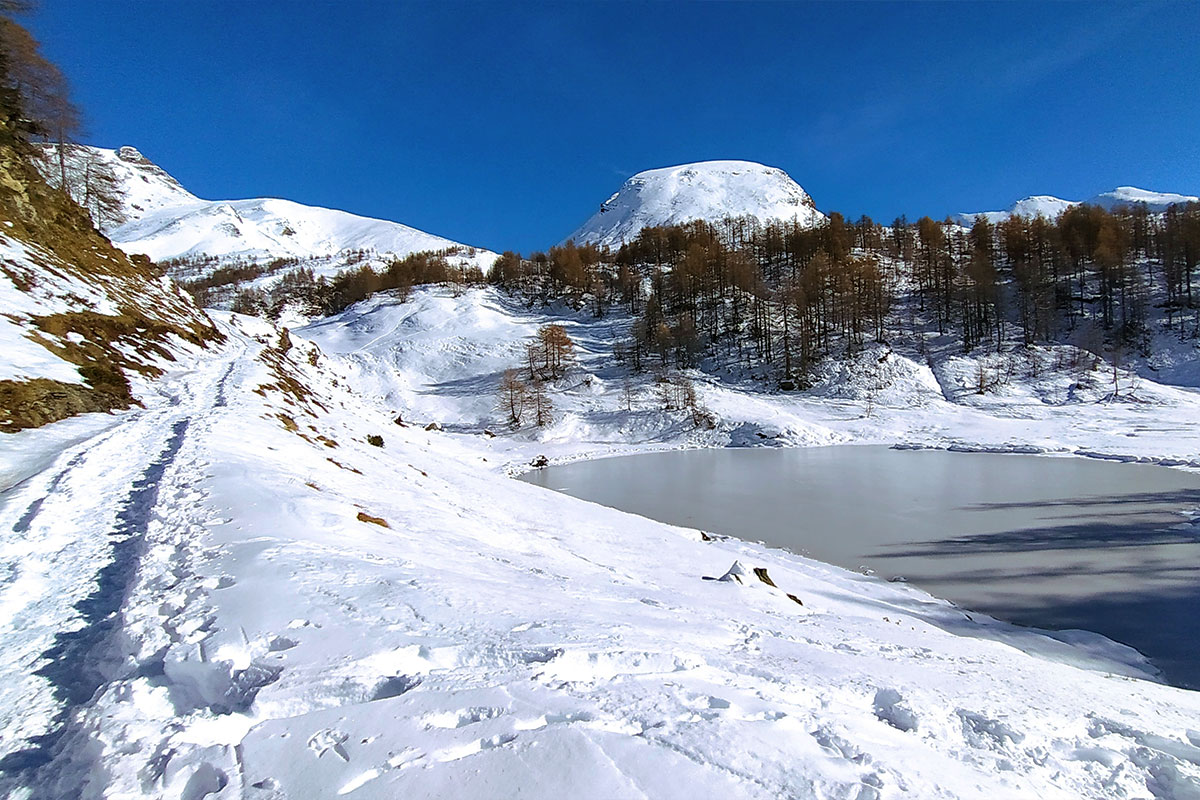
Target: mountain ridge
[1050,206]
[156,216]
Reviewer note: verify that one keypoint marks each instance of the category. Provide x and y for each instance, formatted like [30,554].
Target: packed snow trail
[82,526]
[75,661]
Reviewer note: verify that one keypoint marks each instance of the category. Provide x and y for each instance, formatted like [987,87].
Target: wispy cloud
[1014,74]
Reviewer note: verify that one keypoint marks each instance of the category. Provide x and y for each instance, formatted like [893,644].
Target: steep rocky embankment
[79,317]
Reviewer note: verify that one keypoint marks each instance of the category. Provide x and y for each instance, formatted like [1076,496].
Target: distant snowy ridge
[708,190]
[268,228]
[1050,207]
[1131,195]
[161,219]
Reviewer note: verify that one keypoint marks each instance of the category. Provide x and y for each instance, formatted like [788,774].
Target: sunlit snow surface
[709,190]
[161,219]
[498,640]
[1050,207]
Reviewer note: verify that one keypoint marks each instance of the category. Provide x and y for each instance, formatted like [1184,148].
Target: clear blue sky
[505,125]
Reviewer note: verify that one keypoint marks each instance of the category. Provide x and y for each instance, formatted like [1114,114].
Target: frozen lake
[1053,542]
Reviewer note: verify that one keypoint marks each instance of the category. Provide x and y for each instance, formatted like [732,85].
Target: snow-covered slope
[267,228]
[306,615]
[161,219]
[79,320]
[1131,195]
[705,190]
[1050,207]
[143,187]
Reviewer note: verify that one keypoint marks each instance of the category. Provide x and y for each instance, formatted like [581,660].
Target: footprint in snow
[890,707]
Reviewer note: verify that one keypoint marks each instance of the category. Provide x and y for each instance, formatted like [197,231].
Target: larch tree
[514,397]
[543,407]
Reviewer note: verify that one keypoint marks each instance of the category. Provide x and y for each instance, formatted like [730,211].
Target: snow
[161,219]
[53,292]
[709,190]
[439,356]
[1050,207]
[269,228]
[1038,205]
[36,283]
[1131,195]
[145,187]
[308,615]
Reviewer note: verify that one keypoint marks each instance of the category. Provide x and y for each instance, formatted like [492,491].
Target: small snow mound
[881,376]
[983,732]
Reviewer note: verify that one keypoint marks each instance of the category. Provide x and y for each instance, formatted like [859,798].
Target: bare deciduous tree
[514,396]
[543,408]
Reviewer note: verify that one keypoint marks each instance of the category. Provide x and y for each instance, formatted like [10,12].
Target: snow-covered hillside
[162,220]
[142,186]
[304,614]
[297,565]
[705,190]
[1131,195]
[1036,205]
[79,320]
[268,228]
[438,356]
[1050,207]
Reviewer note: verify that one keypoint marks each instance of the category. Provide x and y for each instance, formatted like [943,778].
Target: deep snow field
[291,612]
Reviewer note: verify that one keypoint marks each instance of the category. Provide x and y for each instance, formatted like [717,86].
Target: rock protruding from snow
[736,574]
[1050,207]
[708,190]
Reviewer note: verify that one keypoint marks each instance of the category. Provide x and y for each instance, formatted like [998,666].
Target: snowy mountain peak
[703,190]
[1050,207]
[1043,205]
[142,187]
[156,216]
[1132,195]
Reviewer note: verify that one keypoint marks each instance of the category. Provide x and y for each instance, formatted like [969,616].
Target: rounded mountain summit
[704,190]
